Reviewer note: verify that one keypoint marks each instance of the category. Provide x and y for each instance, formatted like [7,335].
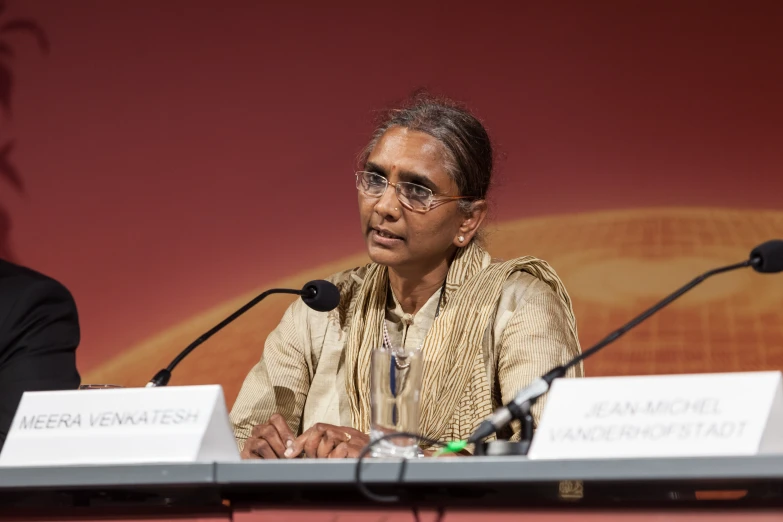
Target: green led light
[455,446]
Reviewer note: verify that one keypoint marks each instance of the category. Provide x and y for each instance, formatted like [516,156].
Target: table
[737,488]
[134,492]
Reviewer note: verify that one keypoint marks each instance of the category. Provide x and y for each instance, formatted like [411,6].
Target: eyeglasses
[413,196]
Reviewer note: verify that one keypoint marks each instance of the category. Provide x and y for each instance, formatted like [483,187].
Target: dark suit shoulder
[23,288]
[11,274]
[16,279]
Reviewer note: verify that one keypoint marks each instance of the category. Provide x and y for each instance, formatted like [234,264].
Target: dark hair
[465,140]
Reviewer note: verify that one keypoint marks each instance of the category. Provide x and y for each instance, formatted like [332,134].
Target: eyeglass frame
[434,201]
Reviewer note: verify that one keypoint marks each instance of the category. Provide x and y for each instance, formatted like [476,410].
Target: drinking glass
[394,395]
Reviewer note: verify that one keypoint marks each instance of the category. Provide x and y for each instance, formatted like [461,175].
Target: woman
[486,329]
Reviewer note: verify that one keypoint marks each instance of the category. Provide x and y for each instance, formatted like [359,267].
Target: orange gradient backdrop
[180,155]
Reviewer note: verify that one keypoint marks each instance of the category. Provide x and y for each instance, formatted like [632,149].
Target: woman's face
[396,236]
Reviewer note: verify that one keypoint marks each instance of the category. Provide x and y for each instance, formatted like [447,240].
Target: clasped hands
[274,440]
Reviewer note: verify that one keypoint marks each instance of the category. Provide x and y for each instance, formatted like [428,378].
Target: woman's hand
[328,441]
[269,440]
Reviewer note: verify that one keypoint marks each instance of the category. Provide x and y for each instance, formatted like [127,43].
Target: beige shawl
[454,340]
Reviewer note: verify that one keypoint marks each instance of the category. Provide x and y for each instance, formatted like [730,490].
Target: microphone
[767,258]
[320,295]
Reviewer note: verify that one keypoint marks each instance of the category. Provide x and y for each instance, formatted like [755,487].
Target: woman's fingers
[297,447]
[339,452]
[248,450]
[318,441]
[269,434]
[313,439]
[353,450]
[269,440]
[285,433]
[330,439]
[274,439]
[258,448]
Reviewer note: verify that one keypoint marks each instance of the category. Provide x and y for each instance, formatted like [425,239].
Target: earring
[461,239]
[396,209]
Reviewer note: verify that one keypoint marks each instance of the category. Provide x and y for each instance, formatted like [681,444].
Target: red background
[178,153]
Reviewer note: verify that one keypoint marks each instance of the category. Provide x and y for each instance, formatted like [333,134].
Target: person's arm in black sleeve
[38,340]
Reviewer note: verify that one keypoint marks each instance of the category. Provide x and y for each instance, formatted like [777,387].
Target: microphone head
[767,258]
[320,295]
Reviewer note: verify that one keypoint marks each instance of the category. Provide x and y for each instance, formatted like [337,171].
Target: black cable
[560,371]
[652,310]
[195,344]
[363,489]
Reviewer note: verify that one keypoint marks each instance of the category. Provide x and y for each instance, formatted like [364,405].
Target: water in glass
[395,389]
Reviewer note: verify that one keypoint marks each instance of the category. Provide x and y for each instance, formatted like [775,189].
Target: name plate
[726,414]
[120,426]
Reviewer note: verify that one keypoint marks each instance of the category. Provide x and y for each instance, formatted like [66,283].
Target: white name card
[120,426]
[726,414]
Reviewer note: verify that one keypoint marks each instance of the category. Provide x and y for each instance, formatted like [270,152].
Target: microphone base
[161,379]
[502,448]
